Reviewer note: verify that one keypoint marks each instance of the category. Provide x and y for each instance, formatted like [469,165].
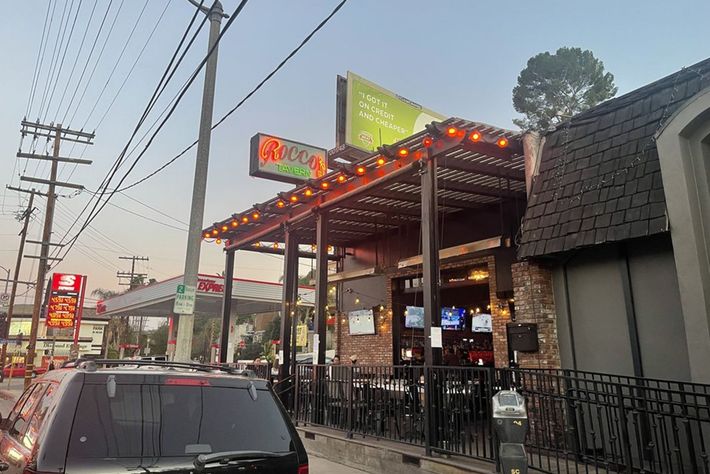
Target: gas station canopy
[156,300]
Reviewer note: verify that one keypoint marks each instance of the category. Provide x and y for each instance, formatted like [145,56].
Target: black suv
[157,417]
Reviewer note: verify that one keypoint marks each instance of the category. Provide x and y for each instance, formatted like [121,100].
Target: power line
[61,63]
[40,55]
[88,58]
[247,97]
[143,217]
[76,59]
[95,212]
[150,36]
[118,61]
[156,94]
[50,73]
[98,59]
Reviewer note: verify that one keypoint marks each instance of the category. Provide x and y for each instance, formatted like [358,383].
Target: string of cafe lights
[345,174]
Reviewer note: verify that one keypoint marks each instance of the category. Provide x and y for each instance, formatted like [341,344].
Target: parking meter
[510,421]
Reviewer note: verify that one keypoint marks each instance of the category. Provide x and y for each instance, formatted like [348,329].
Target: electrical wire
[226,28]
[171,226]
[150,36]
[61,63]
[247,97]
[50,73]
[156,94]
[40,55]
[88,58]
[76,59]
[118,61]
[98,60]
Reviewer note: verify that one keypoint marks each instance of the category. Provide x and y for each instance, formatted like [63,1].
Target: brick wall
[378,349]
[370,349]
[534,303]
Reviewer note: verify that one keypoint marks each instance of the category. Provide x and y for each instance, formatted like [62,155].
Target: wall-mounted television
[414,317]
[482,323]
[361,322]
[453,319]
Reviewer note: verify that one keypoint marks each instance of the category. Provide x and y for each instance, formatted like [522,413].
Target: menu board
[64,300]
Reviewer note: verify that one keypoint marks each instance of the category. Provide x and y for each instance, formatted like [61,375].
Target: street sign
[184,299]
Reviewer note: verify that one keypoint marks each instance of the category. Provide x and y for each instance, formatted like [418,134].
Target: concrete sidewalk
[318,465]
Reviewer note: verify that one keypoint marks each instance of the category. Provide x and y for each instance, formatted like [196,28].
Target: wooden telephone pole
[27,215]
[58,134]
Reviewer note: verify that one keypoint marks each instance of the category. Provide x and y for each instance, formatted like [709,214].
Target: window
[163,420]
[30,435]
[23,418]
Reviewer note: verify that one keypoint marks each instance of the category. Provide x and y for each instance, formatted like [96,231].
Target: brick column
[534,303]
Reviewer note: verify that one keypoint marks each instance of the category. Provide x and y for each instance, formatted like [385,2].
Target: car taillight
[303,469]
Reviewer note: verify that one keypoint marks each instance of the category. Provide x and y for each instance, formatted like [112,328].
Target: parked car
[18,370]
[90,419]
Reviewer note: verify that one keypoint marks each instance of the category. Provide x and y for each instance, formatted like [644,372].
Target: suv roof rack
[168,364]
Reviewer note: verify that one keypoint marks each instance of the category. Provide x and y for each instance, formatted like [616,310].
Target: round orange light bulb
[308,192]
[502,142]
[235,223]
[245,219]
[207,235]
[280,204]
[427,142]
[218,241]
[381,161]
[255,215]
[215,232]
[403,152]
[451,131]
[342,178]
[360,170]
[325,185]
[475,136]
[294,198]
[224,228]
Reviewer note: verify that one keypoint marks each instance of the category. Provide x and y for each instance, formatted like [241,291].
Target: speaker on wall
[522,337]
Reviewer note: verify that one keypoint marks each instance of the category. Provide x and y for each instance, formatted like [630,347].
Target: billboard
[65,299]
[284,160]
[375,116]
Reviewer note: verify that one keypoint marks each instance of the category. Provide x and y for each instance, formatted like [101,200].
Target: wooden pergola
[451,166]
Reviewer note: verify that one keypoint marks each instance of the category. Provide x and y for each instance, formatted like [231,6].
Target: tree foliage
[554,87]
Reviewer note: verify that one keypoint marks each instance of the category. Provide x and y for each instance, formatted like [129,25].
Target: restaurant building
[616,229]
[423,232]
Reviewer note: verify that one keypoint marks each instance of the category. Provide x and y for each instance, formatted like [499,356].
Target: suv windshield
[170,420]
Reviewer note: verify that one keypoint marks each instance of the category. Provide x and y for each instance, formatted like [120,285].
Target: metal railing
[582,421]
[579,421]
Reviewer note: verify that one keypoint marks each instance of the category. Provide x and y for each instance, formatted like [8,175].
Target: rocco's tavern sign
[285,160]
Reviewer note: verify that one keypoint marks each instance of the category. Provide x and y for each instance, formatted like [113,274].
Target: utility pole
[194,241]
[133,277]
[27,215]
[59,134]
[134,280]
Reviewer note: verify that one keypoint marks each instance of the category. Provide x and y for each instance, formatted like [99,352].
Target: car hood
[177,465]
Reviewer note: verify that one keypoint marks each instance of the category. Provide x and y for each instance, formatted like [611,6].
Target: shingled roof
[599,176]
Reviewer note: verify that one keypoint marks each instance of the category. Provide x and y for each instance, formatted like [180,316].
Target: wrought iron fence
[579,421]
[584,421]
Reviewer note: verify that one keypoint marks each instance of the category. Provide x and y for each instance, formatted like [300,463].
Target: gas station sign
[284,160]
[65,299]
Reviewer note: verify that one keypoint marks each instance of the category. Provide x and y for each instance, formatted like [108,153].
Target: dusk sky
[459,58]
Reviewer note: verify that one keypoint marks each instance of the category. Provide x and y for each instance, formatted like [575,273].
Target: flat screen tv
[361,322]
[482,323]
[414,317]
[453,319]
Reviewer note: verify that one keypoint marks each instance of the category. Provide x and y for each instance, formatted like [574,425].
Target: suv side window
[35,424]
[7,422]
[19,425]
